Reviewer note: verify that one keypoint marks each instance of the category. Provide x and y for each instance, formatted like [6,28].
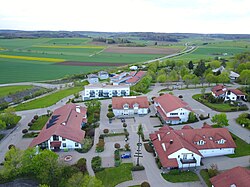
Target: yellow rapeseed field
[71,46]
[1,49]
[32,58]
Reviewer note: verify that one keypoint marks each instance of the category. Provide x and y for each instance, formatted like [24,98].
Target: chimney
[163,147]
[171,142]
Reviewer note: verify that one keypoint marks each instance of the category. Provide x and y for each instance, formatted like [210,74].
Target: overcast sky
[192,16]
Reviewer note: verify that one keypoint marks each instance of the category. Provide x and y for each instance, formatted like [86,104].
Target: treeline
[111,40]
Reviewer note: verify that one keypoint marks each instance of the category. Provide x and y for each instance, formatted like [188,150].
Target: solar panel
[52,121]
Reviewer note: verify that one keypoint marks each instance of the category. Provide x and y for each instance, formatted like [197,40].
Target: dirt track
[75,63]
[141,50]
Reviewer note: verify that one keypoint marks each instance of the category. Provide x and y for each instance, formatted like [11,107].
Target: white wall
[231,96]
[216,152]
[69,143]
[119,112]
[182,113]
[189,156]
[93,80]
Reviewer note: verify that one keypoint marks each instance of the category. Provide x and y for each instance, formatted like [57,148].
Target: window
[173,114]
[184,156]
[64,144]
[55,137]
[76,144]
[221,141]
[63,139]
[201,142]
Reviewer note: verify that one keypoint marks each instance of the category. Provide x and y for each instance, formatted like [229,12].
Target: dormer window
[125,106]
[221,141]
[136,105]
[201,142]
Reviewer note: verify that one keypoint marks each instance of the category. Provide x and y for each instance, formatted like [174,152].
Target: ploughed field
[41,59]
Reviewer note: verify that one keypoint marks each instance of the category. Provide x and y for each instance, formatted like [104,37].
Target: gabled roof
[219,90]
[237,92]
[118,102]
[233,74]
[175,140]
[169,103]
[238,176]
[65,122]
[136,77]
[90,76]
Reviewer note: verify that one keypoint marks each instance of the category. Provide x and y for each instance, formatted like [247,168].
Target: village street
[151,173]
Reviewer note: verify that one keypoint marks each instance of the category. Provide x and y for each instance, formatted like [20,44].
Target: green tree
[210,78]
[162,78]
[190,65]
[215,64]
[90,181]
[110,115]
[184,71]
[203,90]
[188,79]
[173,76]
[196,80]
[140,132]
[220,119]
[245,77]
[241,67]
[224,77]
[191,117]
[200,69]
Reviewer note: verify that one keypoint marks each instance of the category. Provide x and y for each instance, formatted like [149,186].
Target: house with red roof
[130,106]
[186,147]
[136,78]
[220,91]
[235,177]
[171,109]
[63,129]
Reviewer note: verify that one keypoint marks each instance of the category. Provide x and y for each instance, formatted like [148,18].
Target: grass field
[242,148]
[47,100]
[39,123]
[6,90]
[110,177]
[185,176]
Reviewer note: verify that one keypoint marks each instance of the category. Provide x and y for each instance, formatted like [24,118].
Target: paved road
[45,85]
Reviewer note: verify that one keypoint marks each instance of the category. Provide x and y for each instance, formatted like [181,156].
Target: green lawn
[220,107]
[205,176]
[40,122]
[6,90]
[110,177]
[48,100]
[184,176]
[242,149]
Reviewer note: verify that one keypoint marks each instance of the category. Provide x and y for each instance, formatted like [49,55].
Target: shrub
[117,145]
[127,147]
[124,125]
[110,105]
[148,148]
[24,131]
[110,109]
[33,121]
[157,160]
[100,146]
[105,131]
[30,124]
[81,165]
[90,132]
[137,168]
[96,164]
[11,146]
[213,171]
[110,115]
[35,117]
[145,184]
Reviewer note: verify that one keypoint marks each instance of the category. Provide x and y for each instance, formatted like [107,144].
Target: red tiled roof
[186,138]
[205,125]
[236,92]
[238,176]
[118,102]
[67,125]
[169,103]
[140,74]
[187,127]
[136,77]
[218,90]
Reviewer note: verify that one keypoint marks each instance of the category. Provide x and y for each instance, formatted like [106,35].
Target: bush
[24,131]
[100,146]
[35,117]
[148,148]
[81,165]
[30,124]
[145,184]
[11,146]
[110,109]
[96,164]
[117,163]
[124,125]
[33,121]
[105,131]
[137,168]
[117,145]
[127,147]
[157,160]
[110,105]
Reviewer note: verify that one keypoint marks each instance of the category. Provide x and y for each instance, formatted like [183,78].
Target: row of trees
[8,119]
[46,168]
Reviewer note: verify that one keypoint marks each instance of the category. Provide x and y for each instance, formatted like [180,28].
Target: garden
[176,176]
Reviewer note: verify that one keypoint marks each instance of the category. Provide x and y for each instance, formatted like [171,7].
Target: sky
[168,16]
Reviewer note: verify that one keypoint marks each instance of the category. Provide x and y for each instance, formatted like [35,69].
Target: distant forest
[168,37]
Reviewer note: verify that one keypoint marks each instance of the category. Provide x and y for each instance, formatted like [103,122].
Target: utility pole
[138,153]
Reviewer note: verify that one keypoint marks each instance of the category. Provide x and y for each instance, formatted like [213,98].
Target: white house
[171,109]
[105,91]
[93,79]
[130,106]
[103,75]
[133,68]
[63,129]
[233,75]
[220,91]
[186,147]
[234,95]
[122,77]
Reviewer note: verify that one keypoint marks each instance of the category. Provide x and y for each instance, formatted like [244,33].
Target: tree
[190,65]
[210,78]
[124,125]
[220,119]
[90,181]
[191,117]
[188,79]
[215,64]
[203,90]
[200,69]
[140,132]
[195,80]
[2,125]
[76,180]
[184,71]
[245,77]
[161,78]
[173,76]
[224,77]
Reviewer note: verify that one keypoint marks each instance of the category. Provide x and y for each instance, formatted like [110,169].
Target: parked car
[126,155]
[122,120]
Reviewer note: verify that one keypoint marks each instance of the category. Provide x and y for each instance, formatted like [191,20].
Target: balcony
[188,161]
